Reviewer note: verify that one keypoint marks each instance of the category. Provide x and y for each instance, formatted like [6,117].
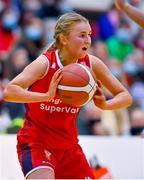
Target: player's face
[79,39]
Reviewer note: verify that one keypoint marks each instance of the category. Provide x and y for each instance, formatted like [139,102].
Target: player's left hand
[99,97]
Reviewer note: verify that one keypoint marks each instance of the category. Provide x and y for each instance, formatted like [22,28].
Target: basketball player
[48,144]
[132,12]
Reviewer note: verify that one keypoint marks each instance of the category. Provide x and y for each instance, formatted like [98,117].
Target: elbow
[129,100]
[6,94]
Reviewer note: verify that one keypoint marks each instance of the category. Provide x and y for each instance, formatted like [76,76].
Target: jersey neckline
[59,61]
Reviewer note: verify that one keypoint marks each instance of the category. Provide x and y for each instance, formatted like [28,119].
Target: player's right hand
[53,84]
[120,4]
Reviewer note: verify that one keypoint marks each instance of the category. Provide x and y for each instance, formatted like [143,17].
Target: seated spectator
[8,32]
[136,121]
[120,45]
[33,36]
[98,128]
[90,115]
[100,50]
[17,61]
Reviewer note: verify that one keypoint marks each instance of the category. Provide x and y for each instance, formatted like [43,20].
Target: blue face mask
[116,72]
[9,22]
[124,35]
[33,33]
[130,68]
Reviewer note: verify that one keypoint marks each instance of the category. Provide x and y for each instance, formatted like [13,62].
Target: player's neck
[66,58]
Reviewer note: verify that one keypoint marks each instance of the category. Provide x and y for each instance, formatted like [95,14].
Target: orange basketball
[77,85]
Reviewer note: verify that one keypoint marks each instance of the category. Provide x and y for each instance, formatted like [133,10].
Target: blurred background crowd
[26,28]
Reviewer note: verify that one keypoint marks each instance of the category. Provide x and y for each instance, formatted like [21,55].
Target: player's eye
[82,35]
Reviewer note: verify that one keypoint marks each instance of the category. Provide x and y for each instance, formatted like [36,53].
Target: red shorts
[67,164]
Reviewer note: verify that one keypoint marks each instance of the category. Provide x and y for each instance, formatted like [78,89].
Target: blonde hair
[64,25]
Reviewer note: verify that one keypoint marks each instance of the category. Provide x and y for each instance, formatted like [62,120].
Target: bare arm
[16,90]
[132,12]
[121,97]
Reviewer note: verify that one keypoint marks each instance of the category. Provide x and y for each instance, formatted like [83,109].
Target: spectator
[137,122]
[8,32]
[120,45]
[33,37]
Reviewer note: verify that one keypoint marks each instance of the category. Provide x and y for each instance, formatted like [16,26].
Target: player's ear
[63,39]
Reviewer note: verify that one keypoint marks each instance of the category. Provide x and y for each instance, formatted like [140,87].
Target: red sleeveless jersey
[51,123]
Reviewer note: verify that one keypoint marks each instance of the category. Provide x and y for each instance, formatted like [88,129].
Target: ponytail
[52,46]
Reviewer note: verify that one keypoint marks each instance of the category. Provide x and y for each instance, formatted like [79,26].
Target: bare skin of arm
[16,90]
[132,12]
[121,97]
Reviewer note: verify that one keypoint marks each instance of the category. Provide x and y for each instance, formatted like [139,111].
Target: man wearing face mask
[8,32]
[33,39]
[119,46]
[33,33]
[132,12]
[9,21]
[34,29]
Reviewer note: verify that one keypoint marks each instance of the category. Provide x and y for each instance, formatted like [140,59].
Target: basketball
[77,85]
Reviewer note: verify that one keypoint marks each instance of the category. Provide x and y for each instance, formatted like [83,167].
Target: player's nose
[88,40]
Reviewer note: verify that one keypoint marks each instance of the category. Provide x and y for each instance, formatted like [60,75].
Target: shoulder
[95,61]
[98,66]
[38,67]
[41,61]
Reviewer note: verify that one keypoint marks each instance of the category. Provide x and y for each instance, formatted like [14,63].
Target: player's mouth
[84,48]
